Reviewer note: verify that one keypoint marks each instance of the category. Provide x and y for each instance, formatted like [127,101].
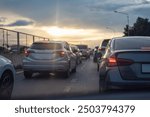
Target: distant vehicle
[126,63]
[101,51]
[49,56]
[14,48]
[84,50]
[3,49]
[76,51]
[7,75]
[95,54]
[103,46]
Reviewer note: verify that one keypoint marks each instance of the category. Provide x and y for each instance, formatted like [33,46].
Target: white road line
[74,80]
[19,72]
[67,89]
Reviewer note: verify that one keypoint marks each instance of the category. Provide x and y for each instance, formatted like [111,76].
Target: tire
[6,85]
[103,87]
[74,70]
[80,61]
[27,74]
[97,67]
[94,59]
[66,74]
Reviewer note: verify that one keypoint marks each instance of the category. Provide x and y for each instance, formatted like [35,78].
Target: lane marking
[67,89]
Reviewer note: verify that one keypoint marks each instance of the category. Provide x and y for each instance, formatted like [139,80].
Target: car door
[73,58]
[70,55]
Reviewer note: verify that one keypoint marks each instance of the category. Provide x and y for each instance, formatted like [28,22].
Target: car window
[104,43]
[82,46]
[67,47]
[45,25]
[46,46]
[123,44]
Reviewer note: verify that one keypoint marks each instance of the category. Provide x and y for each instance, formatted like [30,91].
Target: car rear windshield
[46,46]
[82,46]
[105,42]
[123,44]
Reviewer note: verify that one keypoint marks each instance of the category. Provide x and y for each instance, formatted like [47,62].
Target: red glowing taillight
[113,61]
[26,52]
[61,53]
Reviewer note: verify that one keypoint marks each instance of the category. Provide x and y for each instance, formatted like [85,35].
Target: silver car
[7,75]
[126,63]
[49,56]
[77,52]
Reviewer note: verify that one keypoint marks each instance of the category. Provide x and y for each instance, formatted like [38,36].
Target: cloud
[21,23]
[93,14]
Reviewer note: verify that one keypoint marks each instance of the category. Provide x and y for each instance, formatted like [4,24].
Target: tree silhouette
[140,28]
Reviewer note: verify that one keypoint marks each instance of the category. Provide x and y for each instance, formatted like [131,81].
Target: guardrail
[13,43]
[15,40]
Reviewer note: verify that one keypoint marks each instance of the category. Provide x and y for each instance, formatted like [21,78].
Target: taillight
[124,62]
[113,61]
[26,52]
[61,53]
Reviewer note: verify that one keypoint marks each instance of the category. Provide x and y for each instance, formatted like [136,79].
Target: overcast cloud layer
[90,14]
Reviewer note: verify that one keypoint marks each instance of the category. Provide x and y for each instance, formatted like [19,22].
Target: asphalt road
[41,86]
[81,85]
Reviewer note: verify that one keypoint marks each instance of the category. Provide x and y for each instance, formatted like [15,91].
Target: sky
[76,21]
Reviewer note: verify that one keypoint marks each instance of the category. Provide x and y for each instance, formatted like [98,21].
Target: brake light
[113,61]
[26,52]
[124,62]
[61,53]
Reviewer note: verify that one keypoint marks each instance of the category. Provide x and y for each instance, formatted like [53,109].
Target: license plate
[146,68]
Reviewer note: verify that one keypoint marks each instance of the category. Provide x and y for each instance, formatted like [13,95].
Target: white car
[7,75]
[49,56]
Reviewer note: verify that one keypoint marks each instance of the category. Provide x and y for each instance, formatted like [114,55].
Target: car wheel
[27,74]
[80,61]
[97,67]
[6,85]
[74,69]
[103,86]
[94,60]
[66,74]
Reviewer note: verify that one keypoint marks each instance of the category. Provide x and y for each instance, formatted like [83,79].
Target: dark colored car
[4,49]
[76,51]
[95,54]
[84,50]
[126,63]
[101,51]
[15,49]
[7,76]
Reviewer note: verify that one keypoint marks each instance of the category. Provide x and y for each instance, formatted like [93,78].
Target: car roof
[59,42]
[133,37]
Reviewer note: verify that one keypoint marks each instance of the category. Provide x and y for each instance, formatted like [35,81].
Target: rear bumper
[115,80]
[45,66]
[126,85]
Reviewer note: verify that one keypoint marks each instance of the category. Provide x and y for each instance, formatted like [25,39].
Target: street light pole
[127,18]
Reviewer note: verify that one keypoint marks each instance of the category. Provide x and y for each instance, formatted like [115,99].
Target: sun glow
[78,35]
[60,32]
